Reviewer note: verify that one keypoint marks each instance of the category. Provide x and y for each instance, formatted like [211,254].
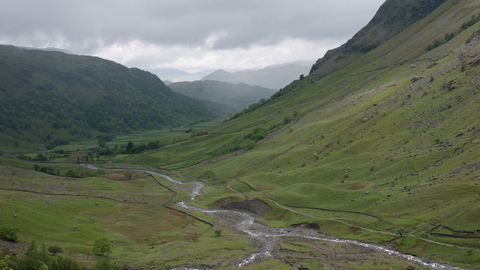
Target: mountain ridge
[391,18]
[77,95]
[273,77]
[238,96]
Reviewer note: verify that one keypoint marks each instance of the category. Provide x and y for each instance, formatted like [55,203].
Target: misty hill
[176,75]
[273,77]
[77,95]
[238,96]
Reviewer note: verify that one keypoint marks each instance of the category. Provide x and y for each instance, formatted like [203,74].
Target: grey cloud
[88,24]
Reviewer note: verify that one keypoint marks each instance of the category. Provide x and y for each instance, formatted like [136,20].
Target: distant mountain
[176,75]
[273,77]
[238,96]
[46,92]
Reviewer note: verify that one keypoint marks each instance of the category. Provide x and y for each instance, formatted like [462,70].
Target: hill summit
[80,95]
[393,17]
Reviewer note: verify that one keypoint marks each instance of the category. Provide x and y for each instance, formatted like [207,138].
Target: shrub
[102,247]
[435,44]
[55,249]
[128,174]
[64,263]
[4,263]
[472,21]
[9,233]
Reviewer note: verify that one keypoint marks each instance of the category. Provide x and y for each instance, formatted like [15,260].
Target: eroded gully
[245,222]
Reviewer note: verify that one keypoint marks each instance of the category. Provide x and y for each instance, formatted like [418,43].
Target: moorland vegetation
[383,147]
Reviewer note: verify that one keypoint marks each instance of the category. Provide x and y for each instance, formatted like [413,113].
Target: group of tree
[35,259]
[56,142]
[137,148]
[45,259]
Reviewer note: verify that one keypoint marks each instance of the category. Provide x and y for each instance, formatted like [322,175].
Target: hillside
[392,18]
[238,96]
[71,97]
[393,134]
[273,77]
[381,149]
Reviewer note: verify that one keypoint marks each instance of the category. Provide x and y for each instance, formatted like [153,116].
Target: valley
[369,162]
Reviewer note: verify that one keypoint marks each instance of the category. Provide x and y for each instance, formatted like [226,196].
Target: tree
[33,259]
[402,233]
[9,233]
[130,145]
[102,247]
[55,249]
[218,232]
[302,77]
[4,263]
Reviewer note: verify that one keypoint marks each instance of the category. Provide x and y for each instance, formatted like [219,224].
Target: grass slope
[388,142]
[394,134]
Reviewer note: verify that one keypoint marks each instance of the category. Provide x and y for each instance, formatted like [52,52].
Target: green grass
[366,139]
[133,223]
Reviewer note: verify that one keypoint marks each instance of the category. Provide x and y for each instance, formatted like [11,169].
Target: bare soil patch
[358,185]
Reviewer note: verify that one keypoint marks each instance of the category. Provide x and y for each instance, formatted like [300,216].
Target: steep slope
[393,17]
[43,91]
[383,148]
[273,77]
[238,96]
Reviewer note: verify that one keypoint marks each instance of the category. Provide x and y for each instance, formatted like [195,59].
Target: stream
[245,222]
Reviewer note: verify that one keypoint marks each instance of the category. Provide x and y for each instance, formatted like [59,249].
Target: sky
[190,35]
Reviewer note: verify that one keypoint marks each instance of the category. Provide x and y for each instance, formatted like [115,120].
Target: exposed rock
[314,226]
[255,206]
[414,79]
[473,37]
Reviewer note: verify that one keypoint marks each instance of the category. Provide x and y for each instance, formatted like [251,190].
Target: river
[245,222]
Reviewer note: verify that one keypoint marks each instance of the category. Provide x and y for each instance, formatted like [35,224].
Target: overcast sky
[191,35]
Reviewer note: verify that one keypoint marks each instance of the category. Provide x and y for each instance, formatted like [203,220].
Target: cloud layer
[187,34]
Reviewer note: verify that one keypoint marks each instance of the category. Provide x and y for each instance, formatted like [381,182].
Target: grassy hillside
[70,97]
[384,149]
[393,134]
[238,96]
[393,17]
